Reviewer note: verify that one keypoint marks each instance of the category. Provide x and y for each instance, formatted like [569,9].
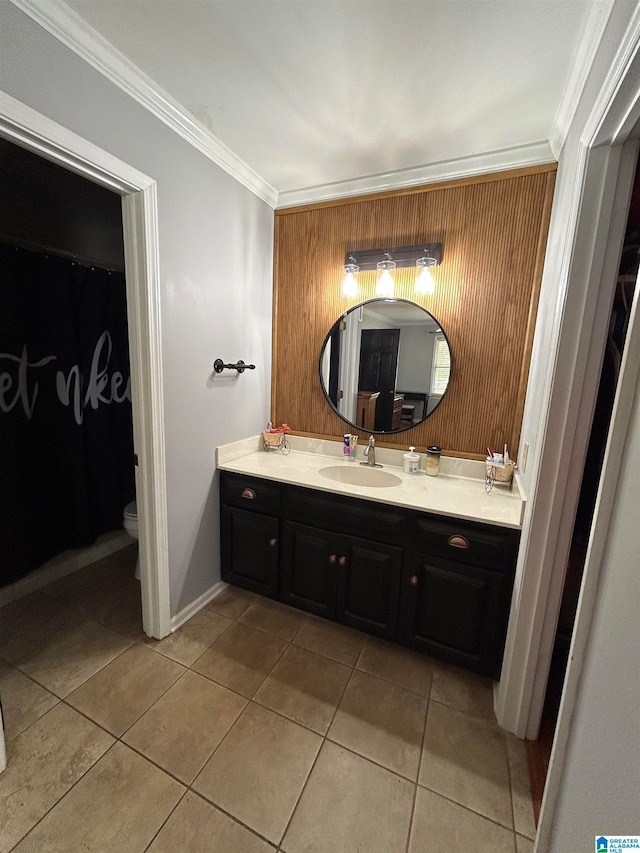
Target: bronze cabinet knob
[342,561]
[413,580]
[273,542]
[332,559]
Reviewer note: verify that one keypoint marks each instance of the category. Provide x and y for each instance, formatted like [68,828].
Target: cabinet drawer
[479,545]
[250,493]
[344,515]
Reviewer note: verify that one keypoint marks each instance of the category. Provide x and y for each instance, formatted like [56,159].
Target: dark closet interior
[539,751]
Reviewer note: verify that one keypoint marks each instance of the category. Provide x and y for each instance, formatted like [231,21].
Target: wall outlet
[525,454]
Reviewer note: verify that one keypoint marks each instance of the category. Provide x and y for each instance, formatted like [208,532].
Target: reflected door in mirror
[378,369]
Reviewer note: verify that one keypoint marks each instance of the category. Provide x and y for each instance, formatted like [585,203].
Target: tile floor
[253,728]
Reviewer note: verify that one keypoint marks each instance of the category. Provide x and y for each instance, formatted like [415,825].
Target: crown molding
[587,46]
[74,32]
[517,157]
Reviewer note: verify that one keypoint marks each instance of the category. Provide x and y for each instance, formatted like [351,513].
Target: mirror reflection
[385,365]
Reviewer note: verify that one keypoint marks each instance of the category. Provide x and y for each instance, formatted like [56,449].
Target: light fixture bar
[404,256]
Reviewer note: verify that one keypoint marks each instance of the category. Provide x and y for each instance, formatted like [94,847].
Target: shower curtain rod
[9,240]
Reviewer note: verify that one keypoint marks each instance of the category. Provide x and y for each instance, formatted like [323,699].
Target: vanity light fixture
[385,261]
[424,281]
[384,286]
[349,283]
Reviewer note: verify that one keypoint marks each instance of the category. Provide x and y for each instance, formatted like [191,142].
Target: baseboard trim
[196,606]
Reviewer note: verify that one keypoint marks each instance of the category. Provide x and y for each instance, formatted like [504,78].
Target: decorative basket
[273,439]
[502,473]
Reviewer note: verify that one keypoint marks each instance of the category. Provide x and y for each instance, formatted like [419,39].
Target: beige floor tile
[185,725]
[118,805]
[241,659]
[465,759]
[23,701]
[348,805]
[194,637]
[464,691]
[274,618]
[523,819]
[523,845]
[73,656]
[69,585]
[442,825]
[330,640]
[106,591]
[42,764]
[382,722]
[403,667]
[232,602]
[7,595]
[120,693]
[305,687]
[198,827]
[29,625]
[259,770]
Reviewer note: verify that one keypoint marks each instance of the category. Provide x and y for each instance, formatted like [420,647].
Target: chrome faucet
[370,453]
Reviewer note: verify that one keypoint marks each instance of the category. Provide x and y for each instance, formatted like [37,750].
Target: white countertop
[458,491]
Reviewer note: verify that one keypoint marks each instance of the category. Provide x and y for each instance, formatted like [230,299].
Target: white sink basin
[360,475]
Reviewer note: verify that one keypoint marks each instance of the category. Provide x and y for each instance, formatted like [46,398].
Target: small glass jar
[433,460]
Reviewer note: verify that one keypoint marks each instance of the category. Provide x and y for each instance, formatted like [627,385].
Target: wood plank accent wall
[493,230]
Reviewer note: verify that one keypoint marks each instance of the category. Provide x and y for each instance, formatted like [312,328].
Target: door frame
[31,130]
[590,255]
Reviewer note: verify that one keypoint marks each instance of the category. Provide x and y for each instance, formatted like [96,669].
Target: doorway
[65,409]
[539,751]
[31,130]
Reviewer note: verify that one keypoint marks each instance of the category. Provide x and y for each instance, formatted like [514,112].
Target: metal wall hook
[240,366]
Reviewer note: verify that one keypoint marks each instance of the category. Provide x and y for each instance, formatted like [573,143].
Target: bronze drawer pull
[273,542]
[458,542]
[413,580]
[249,494]
[342,561]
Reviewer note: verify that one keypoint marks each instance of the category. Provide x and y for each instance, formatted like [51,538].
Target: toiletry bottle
[346,440]
[411,462]
[433,460]
[353,446]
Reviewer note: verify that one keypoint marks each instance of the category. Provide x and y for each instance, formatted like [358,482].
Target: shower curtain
[66,439]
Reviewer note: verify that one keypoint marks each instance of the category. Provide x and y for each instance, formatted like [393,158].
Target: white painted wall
[599,791]
[215,241]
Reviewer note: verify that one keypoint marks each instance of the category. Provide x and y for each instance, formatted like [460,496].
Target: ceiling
[312,93]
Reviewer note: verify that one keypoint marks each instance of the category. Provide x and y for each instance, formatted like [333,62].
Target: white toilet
[130,522]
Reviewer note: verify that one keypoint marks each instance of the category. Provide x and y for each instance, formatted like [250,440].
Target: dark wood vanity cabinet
[438,585]
[351,580]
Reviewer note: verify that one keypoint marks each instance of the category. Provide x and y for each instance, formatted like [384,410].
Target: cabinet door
[249,549]
[455,612]
[308,573]
[368,585]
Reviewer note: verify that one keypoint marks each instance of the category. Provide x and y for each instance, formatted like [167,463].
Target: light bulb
[425,282]
[349,283]
[384,286]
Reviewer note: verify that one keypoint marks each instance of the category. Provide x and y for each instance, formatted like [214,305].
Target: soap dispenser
[411,462]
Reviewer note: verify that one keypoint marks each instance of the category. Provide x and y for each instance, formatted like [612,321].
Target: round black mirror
[385,365]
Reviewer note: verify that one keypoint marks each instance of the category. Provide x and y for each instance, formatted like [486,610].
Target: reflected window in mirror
[385,365]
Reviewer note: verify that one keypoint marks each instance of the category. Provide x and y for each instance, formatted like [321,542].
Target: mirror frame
[388,299]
